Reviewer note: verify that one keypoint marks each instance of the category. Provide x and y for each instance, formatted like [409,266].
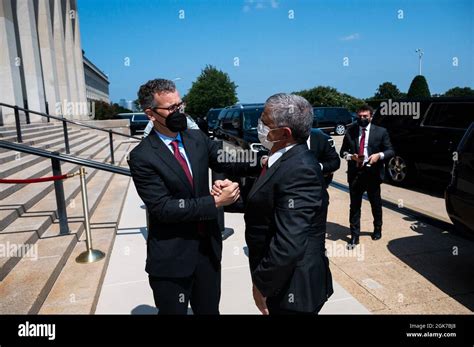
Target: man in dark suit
[170,169]
[322,145]
[365,147]
[284,214]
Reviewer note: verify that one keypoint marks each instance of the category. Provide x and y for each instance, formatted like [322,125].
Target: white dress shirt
[277,155]
[366,145]
[167,141]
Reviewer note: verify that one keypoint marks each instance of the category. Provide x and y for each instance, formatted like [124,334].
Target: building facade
[42,65]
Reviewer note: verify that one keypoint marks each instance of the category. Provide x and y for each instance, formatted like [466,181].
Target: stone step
[77,289]
[53,252]
[42,216]
[45,143]
[33,133]
[15,205]
[14,168]
[46,126]
[25,126]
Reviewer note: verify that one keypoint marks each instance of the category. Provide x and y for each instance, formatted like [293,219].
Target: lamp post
[420,55]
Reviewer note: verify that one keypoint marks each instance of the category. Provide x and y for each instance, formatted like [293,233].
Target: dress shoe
[353,242]
[377,234]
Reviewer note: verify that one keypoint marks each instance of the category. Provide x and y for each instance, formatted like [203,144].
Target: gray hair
[146,93]
[292,111]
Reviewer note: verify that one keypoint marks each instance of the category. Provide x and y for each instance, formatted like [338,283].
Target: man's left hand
[374,158]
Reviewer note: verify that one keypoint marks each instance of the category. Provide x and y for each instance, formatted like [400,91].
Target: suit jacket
[322,145]
[175,208]
[379,141]
[285,232]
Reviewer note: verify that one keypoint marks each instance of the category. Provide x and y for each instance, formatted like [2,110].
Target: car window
[468,147]
[451,115]
[318,113]
[333,113]
[140,117]
[235,115]
[251,117]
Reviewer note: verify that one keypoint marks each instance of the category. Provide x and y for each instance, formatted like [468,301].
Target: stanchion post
[60,199]
[90,255]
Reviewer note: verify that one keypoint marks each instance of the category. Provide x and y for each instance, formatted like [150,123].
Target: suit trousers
[202,289]
[364,181]
[273,305]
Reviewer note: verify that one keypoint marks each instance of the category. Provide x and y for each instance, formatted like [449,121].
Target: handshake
[225,192]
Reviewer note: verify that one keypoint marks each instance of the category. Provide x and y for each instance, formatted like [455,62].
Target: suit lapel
[165,155]
[270,171]
[356,138]
[372,132]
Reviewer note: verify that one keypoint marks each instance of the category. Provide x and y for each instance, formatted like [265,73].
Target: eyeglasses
[173,108]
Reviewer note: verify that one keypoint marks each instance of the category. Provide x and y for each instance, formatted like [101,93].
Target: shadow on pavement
[443,259]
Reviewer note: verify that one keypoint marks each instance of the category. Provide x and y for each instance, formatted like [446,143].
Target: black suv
[211,117]
[138,121]
[333,119]
[424,142]
[460,193]
[238,124]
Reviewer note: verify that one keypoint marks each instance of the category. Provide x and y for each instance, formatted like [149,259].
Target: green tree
[387,90]
[328,96]
[459,92]
[419,88]
[213,88]
[137,105]
[104,110]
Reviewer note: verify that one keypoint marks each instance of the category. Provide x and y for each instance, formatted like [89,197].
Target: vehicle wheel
[340,129]
[399,170]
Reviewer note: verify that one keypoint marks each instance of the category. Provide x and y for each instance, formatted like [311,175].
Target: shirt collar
[167,140]
[278,154]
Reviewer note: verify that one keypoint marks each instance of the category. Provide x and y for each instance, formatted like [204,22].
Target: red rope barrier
[36,180]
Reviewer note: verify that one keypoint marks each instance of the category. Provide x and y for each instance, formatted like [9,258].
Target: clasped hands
[225,192]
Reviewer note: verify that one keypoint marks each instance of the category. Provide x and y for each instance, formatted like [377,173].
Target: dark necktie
[201,227]
[361,146]
[179,157]
[264,170]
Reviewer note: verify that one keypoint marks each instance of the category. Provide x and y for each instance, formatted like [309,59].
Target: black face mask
[176,121]
[363,122]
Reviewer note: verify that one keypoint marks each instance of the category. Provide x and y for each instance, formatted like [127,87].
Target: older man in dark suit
[285,214]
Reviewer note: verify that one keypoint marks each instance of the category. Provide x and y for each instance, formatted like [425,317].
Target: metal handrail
[56,159]
[65,130]
[65,157]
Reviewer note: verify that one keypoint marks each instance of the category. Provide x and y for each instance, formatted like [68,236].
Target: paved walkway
[126,290]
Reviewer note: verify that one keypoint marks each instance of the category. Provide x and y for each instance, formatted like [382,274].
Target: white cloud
[259,4]
[351,37]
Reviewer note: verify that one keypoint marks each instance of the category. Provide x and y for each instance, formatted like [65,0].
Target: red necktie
[264,170]
[179,157]
[201,227]
[361,146]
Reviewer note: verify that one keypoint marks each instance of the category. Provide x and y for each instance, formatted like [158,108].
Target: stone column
[60,54]
[81,80]
[70,57]
[30,56]
[48,57]
[10,81]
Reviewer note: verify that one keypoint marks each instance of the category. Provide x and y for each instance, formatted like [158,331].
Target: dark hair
[364,108]
[146,93]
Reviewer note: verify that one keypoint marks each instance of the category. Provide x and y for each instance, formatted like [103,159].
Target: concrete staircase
[28,221]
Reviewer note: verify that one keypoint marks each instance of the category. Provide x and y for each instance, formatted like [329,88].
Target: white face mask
[262,131]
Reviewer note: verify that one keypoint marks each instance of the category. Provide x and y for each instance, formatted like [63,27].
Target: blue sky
[276,53]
